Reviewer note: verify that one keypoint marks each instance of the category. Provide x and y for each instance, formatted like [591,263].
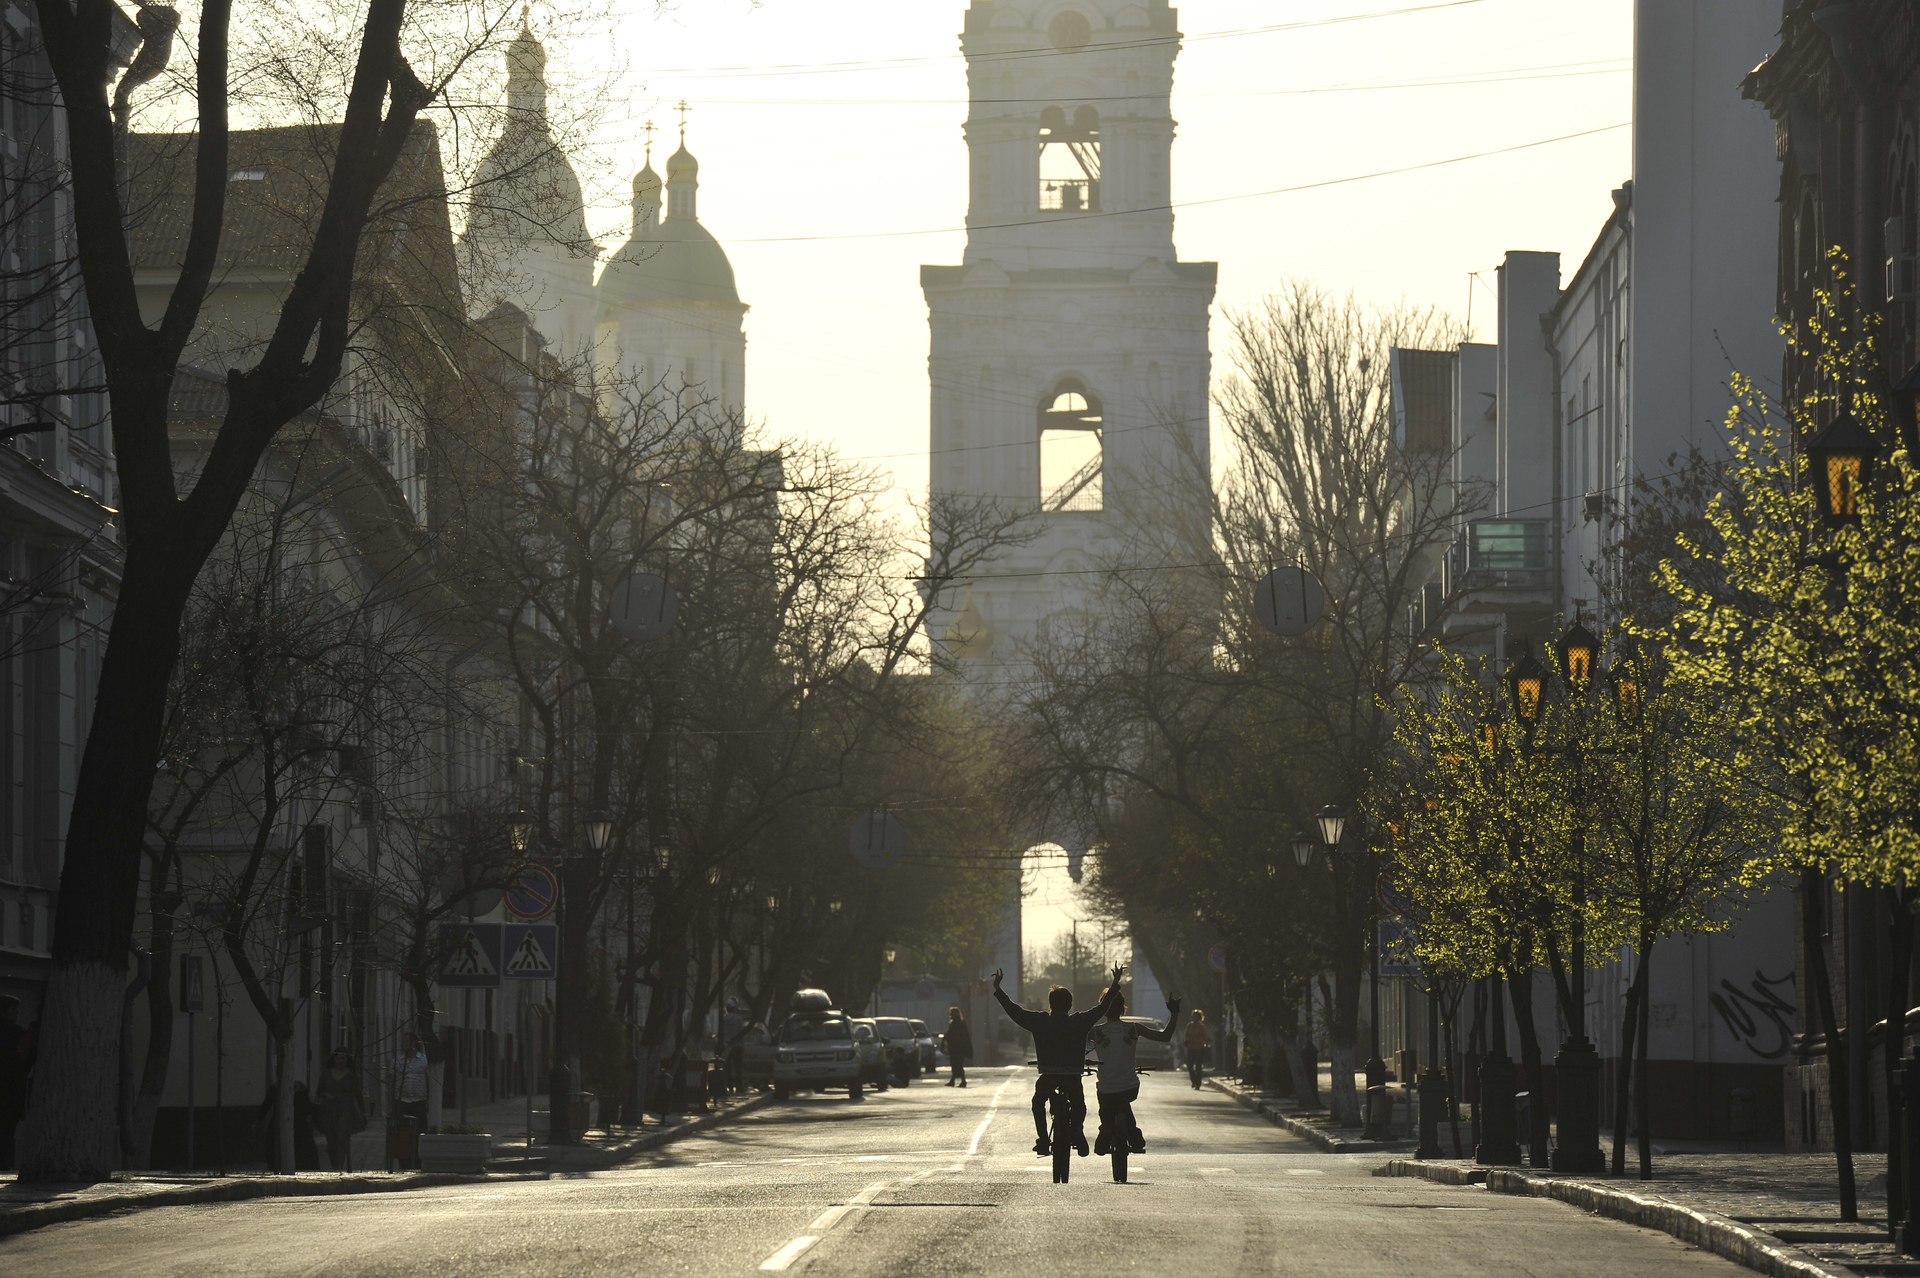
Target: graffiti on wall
[1758,1017]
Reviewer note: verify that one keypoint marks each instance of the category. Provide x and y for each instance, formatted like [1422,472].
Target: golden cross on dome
[683,108]
[648,130]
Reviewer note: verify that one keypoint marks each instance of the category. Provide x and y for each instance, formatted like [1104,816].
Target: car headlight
[846,1055]
[786,1058]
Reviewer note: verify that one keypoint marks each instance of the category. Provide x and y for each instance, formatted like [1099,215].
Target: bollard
[1433,1098]
[1379,1114]
[1498,1146]
[1907,1235]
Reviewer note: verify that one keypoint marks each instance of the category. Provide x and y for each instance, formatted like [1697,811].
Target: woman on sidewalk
[959,1048]
[340,1111]
[1196,1046]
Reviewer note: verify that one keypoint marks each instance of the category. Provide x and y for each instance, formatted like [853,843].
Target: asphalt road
[925,1181]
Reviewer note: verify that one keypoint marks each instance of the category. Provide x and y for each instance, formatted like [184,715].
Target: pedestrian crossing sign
[469,956]
[532,951]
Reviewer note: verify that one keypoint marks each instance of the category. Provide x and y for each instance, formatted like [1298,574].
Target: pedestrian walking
[13,1076]
[410,1082]
[341,1110]
[959,1048]
[1196,1046]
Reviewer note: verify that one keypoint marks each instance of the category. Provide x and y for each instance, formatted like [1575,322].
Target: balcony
[1501,553]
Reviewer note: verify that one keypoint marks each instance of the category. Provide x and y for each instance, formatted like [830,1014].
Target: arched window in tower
[1072,450]
[1070,160]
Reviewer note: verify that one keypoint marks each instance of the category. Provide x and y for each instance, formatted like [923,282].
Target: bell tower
[1069,360]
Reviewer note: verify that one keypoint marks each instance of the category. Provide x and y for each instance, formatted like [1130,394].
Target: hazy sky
[832,166]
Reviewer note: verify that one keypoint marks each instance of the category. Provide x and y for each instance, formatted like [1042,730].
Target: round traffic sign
[925,989]
[1288,601]
[1217,959]
[533,893]
[643,607]
[877,840]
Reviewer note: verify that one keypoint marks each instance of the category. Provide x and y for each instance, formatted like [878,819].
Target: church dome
[674,260]
[679,262]
[525,190]
[682,167]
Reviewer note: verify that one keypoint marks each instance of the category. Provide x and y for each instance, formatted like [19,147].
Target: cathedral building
[1069,359]
[666,309]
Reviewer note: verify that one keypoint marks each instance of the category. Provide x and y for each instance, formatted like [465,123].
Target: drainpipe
[1559,466]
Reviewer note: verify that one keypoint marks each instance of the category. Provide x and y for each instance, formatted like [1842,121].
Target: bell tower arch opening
[1070,160]
[1072,449]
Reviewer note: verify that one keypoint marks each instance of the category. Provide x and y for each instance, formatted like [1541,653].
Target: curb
[1305,1131]
[35,1215]
[666,1136]
[1743,1244]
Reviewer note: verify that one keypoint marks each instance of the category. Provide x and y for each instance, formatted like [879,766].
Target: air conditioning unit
[1900,265]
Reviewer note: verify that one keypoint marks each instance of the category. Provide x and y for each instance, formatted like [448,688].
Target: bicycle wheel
[1120,1164]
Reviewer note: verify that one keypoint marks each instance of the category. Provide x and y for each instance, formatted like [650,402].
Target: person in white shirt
[410,1081]
[1118,1086]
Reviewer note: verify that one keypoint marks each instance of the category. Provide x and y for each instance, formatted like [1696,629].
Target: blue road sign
[470,956]
[533,893]
[1397,939]
[193,983]
[1217,959]
[532,950]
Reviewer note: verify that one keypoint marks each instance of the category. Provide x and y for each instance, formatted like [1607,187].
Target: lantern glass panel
[1303,849]
[1843,484]
[1333,824]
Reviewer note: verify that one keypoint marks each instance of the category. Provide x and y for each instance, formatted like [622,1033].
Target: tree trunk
[1520,983]
[1344,1032]
[1302,1063]
[1623,1077]
[1893,1048]
[70,1131]
[1813,889]
[160,1014]
[1642,1101]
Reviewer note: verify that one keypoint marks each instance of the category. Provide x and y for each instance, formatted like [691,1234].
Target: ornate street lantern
[1302,849]
[1839,464]
[663,853]
[520,830]
[1579,653]
[599,830]
[1333,824]
[1527,685]
[1490,733]
[1627,692]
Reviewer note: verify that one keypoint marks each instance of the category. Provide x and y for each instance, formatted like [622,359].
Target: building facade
[1595,389]
[1841,86]
[59,542]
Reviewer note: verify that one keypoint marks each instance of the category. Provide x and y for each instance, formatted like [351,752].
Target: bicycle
[1118,1146]
[1062,1133]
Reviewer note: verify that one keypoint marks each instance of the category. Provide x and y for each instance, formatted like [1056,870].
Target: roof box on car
[809,1001]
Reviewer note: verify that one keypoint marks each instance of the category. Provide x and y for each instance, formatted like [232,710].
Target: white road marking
[826,1220]
[1294,1171]
[789,1253]
[993,1107]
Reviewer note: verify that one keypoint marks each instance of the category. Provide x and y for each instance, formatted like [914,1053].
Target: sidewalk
[1774,1212]
[29,1208]
[1317,1125]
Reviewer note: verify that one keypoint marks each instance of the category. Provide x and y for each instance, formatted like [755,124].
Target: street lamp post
[1433,1083]
[1495,1108]
[1332,821]
[1577,1066]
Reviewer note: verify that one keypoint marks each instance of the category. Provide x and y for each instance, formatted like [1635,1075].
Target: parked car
[873,1053]
[929,1047]
[903,1048]
[1152,1055]
[815,1051]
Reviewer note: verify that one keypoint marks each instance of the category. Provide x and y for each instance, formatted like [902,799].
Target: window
[1070,161]
[1072,451]
[26,925]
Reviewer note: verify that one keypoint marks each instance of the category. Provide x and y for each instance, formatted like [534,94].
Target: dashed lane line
[993,1107]
[826,1220]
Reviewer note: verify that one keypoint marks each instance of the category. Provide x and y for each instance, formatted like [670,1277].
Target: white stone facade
[1070,364]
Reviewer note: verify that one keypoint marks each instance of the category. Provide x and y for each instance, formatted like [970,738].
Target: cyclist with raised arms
[1118,1084]
[1060,1049]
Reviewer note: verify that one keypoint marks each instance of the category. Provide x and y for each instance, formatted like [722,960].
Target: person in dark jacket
[13,1075]
[339,1109]
[1060,1050]
[959,1048]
